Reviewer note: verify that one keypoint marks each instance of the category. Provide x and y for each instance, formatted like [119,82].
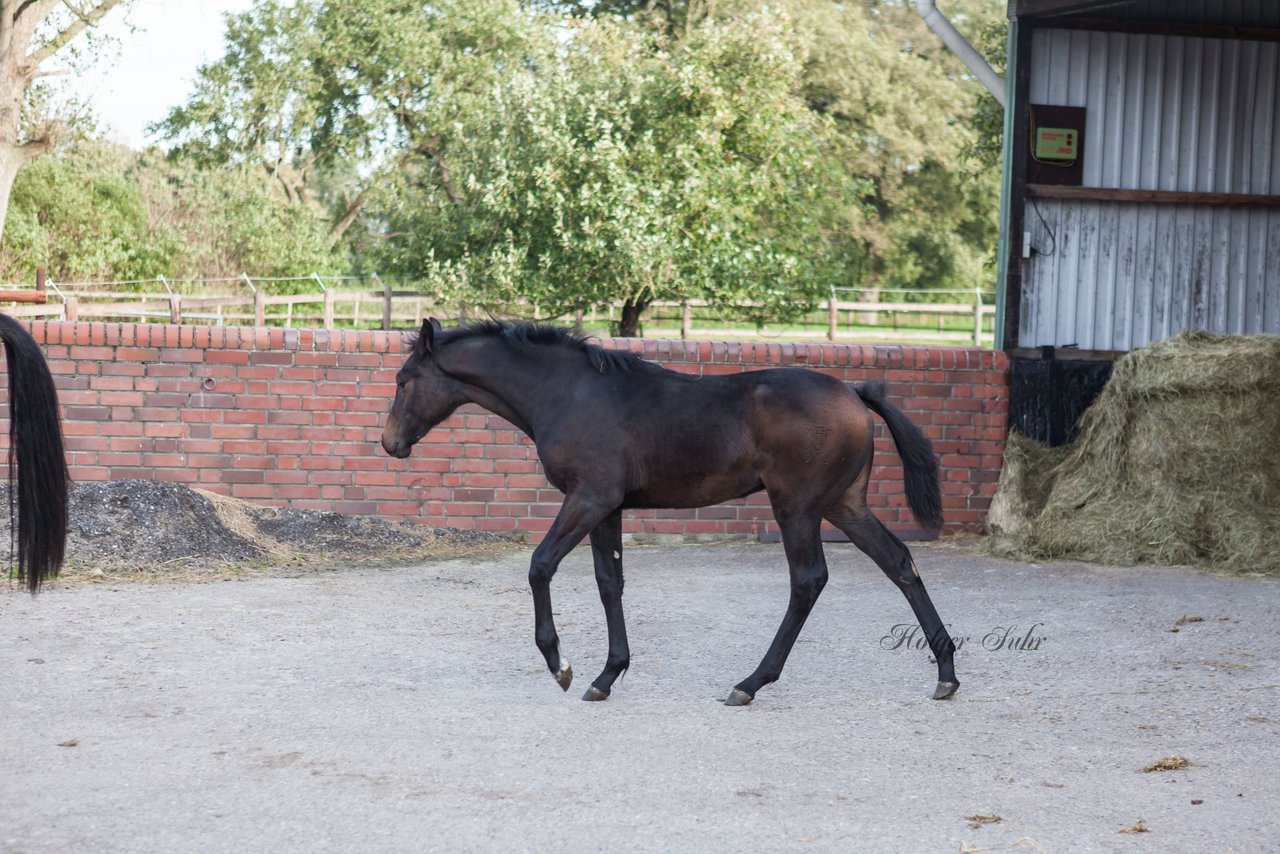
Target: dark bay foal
[613,432]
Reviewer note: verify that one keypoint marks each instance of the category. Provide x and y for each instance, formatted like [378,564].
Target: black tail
[35,446]
[920,468]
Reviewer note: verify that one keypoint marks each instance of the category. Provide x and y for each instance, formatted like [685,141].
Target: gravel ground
[407,709]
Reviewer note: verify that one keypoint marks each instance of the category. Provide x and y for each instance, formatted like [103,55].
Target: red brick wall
[294,416]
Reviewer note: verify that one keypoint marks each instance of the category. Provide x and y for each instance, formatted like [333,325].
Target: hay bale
[1175,463]
[1023,487]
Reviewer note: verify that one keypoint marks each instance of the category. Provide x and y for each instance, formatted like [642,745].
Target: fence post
[577,322]
[386,303]
[259,308]
[328,309]
[686,321]
[175,308]
[977,317]
[833,316]
[71,309]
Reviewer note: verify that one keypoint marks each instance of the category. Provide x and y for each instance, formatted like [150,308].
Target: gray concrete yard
[408,710]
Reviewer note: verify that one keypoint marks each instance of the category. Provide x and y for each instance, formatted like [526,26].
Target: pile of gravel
[144,525]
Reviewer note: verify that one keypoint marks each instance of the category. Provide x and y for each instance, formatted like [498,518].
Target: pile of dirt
[149,526]
[1176,463]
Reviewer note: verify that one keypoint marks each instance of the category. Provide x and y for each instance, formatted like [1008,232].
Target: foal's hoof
[945,690]
[738,698]
[594,694]
[565,677]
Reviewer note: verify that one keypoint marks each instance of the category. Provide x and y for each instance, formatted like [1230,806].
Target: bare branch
[22,7]
[79,24]
[430,148]
[355,205]
[33,148]
[310,161]
[348,216]
[42,10]
[289,191]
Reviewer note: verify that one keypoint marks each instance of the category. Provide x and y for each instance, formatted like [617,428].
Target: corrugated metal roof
[1240,13]
[1243,13]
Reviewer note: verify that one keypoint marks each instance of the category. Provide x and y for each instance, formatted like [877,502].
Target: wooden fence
[386,308]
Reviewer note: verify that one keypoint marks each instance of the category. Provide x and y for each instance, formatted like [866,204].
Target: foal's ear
[427,337]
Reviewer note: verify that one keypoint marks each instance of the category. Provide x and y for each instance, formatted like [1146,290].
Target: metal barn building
[1141,186]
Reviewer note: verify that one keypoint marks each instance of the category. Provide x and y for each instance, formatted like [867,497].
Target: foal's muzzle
[396,447]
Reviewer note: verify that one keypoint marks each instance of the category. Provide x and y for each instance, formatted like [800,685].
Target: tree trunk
[629,325]
[10,162]
[13,155]
[446,181]
[872,280]
[13,86]
[870,292]
[430,147]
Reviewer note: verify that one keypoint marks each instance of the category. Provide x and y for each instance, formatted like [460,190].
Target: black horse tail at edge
[919,466]
[35,450]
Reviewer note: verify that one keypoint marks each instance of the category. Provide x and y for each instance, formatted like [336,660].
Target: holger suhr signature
[910,636]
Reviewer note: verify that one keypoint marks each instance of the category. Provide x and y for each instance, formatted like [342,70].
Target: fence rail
[969,321]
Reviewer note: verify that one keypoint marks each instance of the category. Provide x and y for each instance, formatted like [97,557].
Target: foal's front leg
[577,516]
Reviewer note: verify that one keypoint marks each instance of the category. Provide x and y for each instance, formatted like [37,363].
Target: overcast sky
[150,70]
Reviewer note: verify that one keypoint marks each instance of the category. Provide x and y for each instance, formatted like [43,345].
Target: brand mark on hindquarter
[817,438]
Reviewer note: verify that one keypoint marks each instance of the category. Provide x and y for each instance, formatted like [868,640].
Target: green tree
[97,211]
[81,215]
[31,33]
[671,18]
[335,99]
[232,220]
[905,109]
[639,169]
[987,120]
[900,100]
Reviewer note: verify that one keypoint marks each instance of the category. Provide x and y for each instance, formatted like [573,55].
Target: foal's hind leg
[889,553]
[606,551]
[802,541]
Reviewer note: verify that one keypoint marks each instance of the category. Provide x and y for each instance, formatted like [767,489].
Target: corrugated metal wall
[1164,113]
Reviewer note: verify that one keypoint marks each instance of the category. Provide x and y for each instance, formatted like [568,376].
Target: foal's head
[425,395]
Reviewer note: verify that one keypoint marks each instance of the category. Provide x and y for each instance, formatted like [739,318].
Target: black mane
[524,335]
